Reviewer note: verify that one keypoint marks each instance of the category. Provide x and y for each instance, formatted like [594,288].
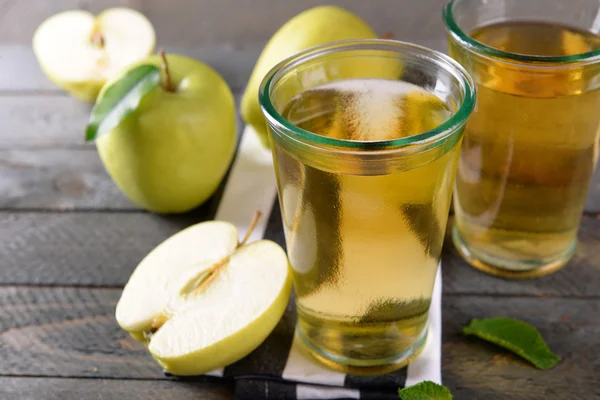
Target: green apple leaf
[516,336]
[121,99]
[425,391]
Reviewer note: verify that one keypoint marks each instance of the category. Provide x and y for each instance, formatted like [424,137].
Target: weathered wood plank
[193,23]
[102,249]
[74,178]
[57,179]
[42,121]
[234,63]
[477,370]
[111,389]
[69,332]
[20,72]
[578,278]
[19,19]
[60,171]
[49,121]
[592,203]
[44,162]
[210,31]
[97,249]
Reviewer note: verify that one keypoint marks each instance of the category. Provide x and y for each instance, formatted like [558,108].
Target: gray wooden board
[49,121]
[82,248]
[45,164]
[42,121]
[592,203]
[26,388]
[44,161]
[205,22]
[59,179]
[579,278]
[481,371]
[71,332]
[234,65]
[102,249]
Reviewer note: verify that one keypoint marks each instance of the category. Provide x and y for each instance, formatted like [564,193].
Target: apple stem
[214,270]
[168,84]
[255,219]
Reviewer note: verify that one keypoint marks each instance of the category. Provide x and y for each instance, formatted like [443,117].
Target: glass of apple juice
[531,145]
[365,137]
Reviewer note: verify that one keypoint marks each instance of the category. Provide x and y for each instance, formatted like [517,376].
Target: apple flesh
[80,52]
[172,153]
[201,301]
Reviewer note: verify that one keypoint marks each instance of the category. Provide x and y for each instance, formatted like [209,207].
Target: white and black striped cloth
[277,370]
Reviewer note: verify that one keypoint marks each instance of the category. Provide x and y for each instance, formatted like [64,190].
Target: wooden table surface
[69,239]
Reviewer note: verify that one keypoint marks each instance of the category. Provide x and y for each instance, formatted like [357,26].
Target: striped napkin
[277,370]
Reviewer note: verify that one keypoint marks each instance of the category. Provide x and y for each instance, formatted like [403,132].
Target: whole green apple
[170,155]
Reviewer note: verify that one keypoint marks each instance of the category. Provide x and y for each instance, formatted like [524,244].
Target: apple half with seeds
[79,51]
[201,300]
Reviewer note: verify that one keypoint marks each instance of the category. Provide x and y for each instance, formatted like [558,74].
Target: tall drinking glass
[365,137]
[531,145]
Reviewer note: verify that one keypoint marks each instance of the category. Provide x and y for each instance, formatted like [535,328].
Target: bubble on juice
[367,110]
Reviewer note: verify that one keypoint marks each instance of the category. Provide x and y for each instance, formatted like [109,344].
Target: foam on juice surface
[366,110]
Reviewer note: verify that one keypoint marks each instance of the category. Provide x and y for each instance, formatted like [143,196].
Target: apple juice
[529,151]
[364,241]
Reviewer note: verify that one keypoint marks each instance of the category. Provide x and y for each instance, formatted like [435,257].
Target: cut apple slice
[151,286]
[79,51]
[202,301]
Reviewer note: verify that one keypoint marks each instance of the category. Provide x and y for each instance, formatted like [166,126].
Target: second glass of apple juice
[365,137]
[531,145]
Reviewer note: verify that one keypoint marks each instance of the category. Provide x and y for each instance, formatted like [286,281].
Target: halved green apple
[201,300]
[80,52]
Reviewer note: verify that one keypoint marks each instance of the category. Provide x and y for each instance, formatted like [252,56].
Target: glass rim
[453,124]
[479,47]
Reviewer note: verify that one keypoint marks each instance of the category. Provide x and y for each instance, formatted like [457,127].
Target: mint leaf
[516,336]
[121,99]
[425,391]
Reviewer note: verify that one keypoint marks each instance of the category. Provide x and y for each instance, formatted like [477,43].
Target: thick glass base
[353,366]
[511,269]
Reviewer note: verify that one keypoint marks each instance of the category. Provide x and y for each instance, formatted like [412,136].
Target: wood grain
[57,179]
[50,121]
[44,162]
[227,34]
[61,273]
[592,203]
[233,63]
[191,22]
[95,249]
[102,249]
[111,389]
[477,370]
[69,332]
[74,178]
[42,121]
[579,277]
